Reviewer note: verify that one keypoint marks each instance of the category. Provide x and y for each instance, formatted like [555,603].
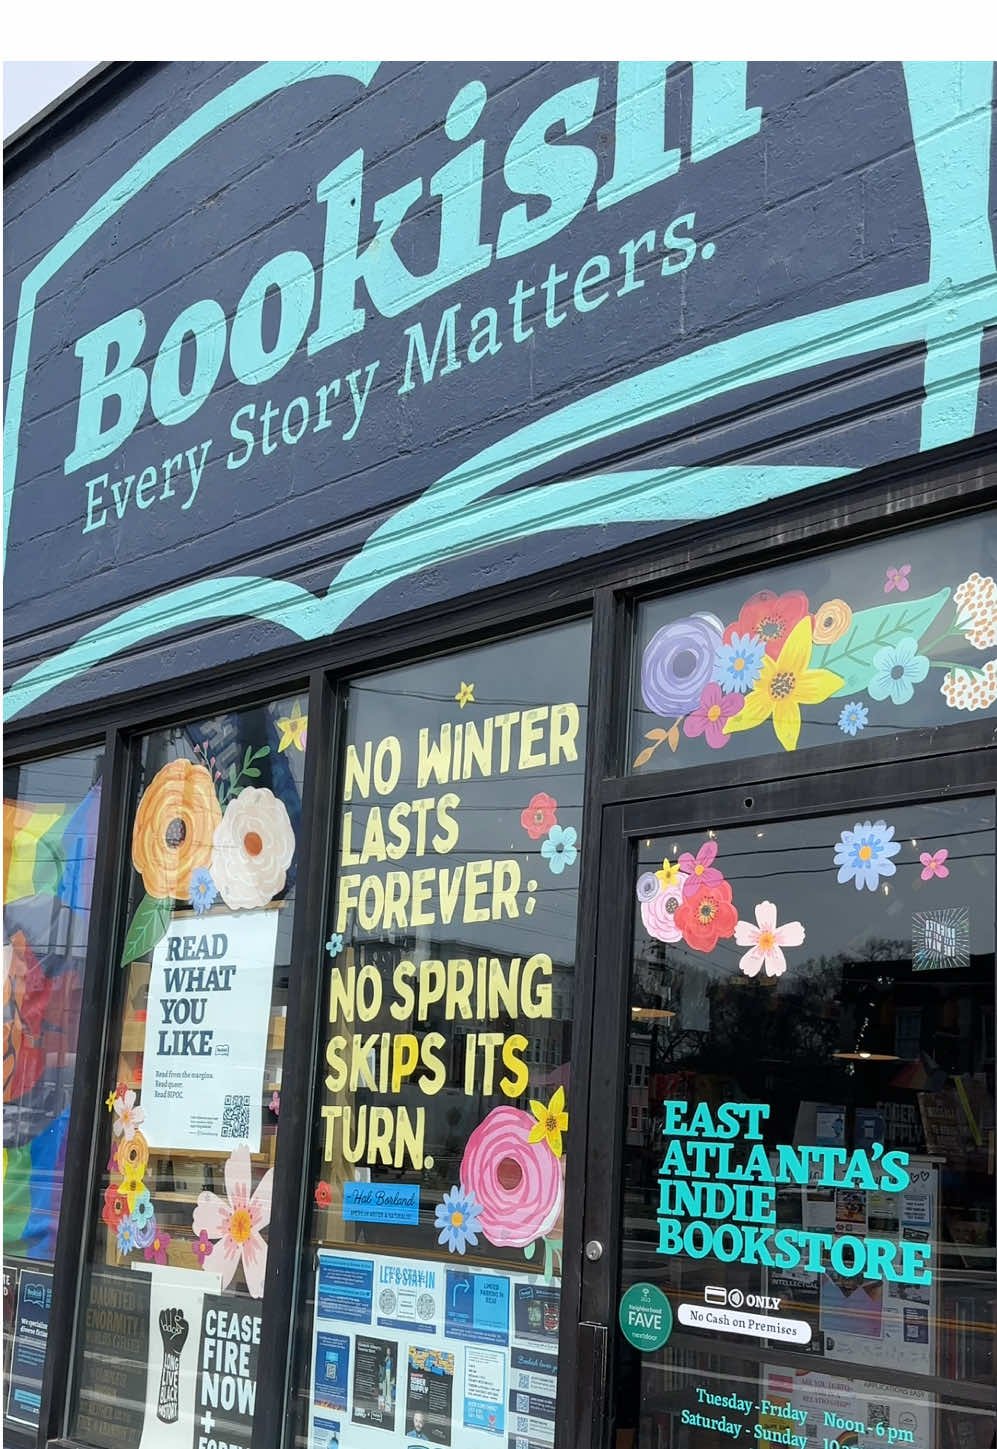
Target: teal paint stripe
[952,118]
[676,495]
[264,81]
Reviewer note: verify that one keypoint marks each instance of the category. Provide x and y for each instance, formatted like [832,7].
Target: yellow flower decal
[552,1120]
[668,874]
[131,1185]
[110,1100]
[783,685]
[293,729]
[465,695]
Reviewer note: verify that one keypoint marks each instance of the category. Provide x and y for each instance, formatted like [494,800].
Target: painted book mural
[405,316]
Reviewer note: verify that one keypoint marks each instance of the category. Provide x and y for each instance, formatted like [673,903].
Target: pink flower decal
[715,709]
[275,1103]
[235,1224]
[202,1247]
[517,1182]
[126,1115]
[897,579]
[699,870]
[934,864]
[539,816]
[156,1250]
[658,914]
[766,940]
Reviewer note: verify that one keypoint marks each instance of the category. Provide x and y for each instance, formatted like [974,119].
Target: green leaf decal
[147,929]
[852,655]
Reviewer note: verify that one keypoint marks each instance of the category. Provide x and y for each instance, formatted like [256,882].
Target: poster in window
[206,1031]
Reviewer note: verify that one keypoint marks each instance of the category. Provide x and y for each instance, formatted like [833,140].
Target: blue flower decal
[143,1233]
[896,669]
[203,891]
[559,849]
[458,1218]
[739,663]
[334,944]
[143,1209]
[863,854]
[126,1235]
[853,717]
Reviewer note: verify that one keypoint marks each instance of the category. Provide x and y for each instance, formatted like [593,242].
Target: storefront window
[50,812]
[431,1298]
[878,640]
[172,1294]
[809,1160]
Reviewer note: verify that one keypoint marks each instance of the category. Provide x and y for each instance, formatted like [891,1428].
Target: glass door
[790,1206]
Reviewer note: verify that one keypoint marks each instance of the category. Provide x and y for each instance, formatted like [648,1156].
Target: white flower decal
[253,847]
[766,941]
[127,1116]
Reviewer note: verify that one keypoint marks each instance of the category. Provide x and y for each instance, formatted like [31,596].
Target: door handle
[591,1383]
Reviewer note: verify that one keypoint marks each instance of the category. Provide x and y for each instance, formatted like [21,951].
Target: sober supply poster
[409,1352]
[206,1032]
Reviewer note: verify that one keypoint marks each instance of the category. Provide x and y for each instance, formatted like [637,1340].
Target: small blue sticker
[372,1202]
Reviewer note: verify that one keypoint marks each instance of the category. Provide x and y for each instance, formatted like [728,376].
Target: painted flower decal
[126,1236]
[132,1185]
[465,695]
[971,689]
[559,849]
[934,865]
[658,913]
[334,944]
[203,891]
[235,1223]
[865,853]
[648,885]
[253,847]
[766,940]
[738,663]
[897,579]
[715,709]
[831,621]
[155,1252]
[551,1121]
[144,1232]
[976,610]
[771,618]
[699,869]
[174,827]
[707,916]
[853,718]
[115,1207]
[142,1209]
[539,816]
[896,669]
[203,1247]
[516,1183]
[786,682]
[323,1194]
[293,729]
[678,663]
[275,1103]
[126,1115]
[669,873]
[132,1155]
[458,1218]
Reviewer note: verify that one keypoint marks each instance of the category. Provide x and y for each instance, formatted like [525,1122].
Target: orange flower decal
[174,829]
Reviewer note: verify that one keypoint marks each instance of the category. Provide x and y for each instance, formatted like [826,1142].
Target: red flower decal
[115,1206]
[771,617]
[539,816]
[707,916]
[323,1194]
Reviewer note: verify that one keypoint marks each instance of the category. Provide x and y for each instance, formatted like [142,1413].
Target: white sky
[29,85]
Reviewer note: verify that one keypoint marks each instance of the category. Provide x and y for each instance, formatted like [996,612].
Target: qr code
[879,1414]
[235,1117]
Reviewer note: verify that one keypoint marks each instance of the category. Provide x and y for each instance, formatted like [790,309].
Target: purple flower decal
[897,579]
[678,664]
[699,870]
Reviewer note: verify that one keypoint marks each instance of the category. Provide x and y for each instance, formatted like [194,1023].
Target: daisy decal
[853,718]
[738,663]
[458,1217]
[865,853]
[203,891]
[766,940]
[552,1120]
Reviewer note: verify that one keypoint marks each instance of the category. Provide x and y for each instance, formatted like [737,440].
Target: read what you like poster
[206,1031]
[407,1352]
